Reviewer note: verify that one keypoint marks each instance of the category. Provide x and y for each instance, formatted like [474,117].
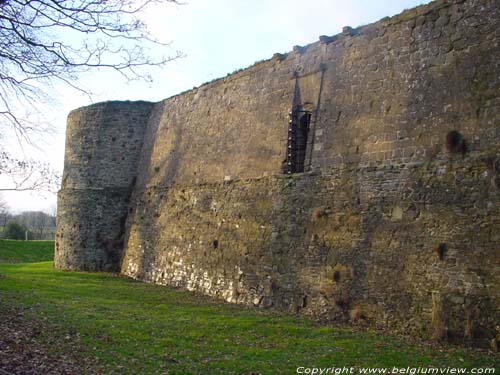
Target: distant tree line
[33,225]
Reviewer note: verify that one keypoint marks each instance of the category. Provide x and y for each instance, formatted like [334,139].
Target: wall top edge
[113,103]
[348,32]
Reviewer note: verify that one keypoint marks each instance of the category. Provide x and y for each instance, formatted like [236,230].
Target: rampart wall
[103,147]
[394,219]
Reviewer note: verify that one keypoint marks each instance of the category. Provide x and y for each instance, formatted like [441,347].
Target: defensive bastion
[355,178]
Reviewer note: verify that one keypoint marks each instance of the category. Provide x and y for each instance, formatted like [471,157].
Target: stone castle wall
[103,147]
[395,219]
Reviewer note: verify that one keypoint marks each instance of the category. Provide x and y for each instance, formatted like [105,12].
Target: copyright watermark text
[341,370]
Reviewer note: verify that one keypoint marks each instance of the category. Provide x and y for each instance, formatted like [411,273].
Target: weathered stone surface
[103,146]
[395,221]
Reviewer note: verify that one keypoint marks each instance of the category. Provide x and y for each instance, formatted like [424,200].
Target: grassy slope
[26,251]
[137,328]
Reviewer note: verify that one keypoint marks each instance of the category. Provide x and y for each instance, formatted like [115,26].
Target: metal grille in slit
[298,129]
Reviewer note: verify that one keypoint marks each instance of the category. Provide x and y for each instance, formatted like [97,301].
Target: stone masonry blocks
[395,220]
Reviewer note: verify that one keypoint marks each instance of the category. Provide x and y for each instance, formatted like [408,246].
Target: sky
[216,37]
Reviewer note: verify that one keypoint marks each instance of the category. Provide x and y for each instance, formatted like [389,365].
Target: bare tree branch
[27,175]
[49,40]
[3,206]
[43,42]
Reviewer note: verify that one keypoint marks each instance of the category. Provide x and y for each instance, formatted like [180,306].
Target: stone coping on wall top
[348,32]
[121,190]
[113,103]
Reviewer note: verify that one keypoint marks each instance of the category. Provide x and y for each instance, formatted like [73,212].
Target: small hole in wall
[341,302]
[492,164]
[455,143]
[317,213]
[304,301]
[441,250]
[336,276]
[215,244]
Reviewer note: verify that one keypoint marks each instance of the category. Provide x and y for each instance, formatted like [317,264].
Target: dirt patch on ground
[27,347]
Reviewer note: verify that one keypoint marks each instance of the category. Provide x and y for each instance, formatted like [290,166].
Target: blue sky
[216,37]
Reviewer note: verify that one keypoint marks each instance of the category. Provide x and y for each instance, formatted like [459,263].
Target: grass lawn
[26,251]
[135,328]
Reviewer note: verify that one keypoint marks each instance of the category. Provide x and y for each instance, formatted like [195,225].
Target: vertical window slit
[298,131]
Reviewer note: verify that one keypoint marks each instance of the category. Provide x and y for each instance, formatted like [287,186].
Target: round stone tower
[103,147]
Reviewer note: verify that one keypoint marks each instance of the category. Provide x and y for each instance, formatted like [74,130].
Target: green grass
[12,251]
[138,328]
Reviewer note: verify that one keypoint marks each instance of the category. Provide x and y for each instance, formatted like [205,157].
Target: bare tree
[24,175]
[4,212]
[40,224]
[3,205]
[44,41]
